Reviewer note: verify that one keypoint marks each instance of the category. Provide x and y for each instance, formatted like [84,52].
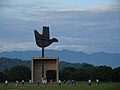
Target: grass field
[79,86]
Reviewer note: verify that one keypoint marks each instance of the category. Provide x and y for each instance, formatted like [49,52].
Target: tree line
[88,71]
[16,73]
[103,73]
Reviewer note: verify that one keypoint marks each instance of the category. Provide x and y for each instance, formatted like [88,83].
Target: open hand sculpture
[43,40]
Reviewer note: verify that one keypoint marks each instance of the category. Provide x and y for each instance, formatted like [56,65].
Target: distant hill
[99,58]
[8,63]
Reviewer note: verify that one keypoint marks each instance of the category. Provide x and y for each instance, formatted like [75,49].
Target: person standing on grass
[68,81]
[51,81]
[45,82]
[6,82]
[89,82]
[22,82]
[74,82]
[30,81]
[56,81]
[38,82]
[17,83]
[97,81]
[59,82]
[64,81]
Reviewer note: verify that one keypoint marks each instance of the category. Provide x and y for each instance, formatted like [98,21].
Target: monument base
[47,64]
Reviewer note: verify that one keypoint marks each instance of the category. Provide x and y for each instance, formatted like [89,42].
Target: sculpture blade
[46,32]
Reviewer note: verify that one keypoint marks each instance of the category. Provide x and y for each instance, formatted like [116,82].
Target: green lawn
[79,86]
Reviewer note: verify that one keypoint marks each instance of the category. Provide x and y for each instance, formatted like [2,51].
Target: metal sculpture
[43,40]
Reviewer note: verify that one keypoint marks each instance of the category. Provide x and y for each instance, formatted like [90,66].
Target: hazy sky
[80,25]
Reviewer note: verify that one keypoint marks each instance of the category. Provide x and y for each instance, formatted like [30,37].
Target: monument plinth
[50,64]
[44,67]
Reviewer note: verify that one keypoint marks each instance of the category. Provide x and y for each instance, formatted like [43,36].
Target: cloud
[76,28]
[16,46]
[69,47]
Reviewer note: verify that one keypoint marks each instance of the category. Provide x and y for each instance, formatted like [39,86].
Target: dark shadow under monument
[40,65]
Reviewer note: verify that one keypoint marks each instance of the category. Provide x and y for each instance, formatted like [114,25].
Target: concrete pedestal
[50,63]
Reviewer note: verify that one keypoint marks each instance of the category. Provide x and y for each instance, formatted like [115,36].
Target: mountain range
[99,58]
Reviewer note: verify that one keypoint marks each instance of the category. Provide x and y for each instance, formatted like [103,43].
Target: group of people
[59,82]
[17,82]
[73,82]
[44,82]
[90,82]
